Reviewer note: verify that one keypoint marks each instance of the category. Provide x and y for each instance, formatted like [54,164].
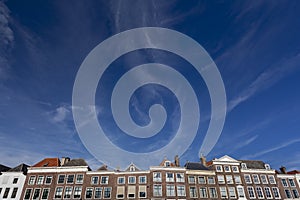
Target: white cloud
[6,40]
[61,114]
[266,79]
[276,148]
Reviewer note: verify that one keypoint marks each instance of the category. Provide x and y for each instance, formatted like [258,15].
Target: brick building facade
[222,178]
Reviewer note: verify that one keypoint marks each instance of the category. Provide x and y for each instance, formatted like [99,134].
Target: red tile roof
[294,172]
[48,162]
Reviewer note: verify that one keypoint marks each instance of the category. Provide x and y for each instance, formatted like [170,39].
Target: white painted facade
[11,183]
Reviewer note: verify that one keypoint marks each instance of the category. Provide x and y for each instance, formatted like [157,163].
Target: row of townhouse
[223,178]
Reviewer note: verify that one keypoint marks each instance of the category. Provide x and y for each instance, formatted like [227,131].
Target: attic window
[167,164]
[132,168]
[267,166]
[46,164]
[244,166]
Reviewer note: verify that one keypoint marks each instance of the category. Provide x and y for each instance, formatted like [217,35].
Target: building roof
[103,167]
[48,162]
[195,166]
[4,168]
[20,168]
[76,162]
[254,164]
[294,172]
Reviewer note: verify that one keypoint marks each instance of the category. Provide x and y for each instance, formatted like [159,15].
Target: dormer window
[244,166]
[219,168]
[267,167]
[167,164]
[132,168]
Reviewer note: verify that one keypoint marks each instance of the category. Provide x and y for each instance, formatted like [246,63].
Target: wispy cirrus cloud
[273,149]
[266,79]
[6,40]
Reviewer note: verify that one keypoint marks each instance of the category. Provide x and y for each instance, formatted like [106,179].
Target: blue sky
[255,46]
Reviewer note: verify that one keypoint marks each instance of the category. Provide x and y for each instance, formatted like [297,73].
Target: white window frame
[251,192]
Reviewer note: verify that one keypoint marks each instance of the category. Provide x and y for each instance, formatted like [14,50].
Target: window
[295,193]
[15,180]
[70,178]
[181,190]
[104,179]
[167,164]
[98,193]
[169,177]
[235,169]
[193,192]
[0,190]
[219,168]
[292,183]
[276,193]
[272,179]
[61,179]
[79,178]
[263,179]
[191,179]
[142,191]
[157,177]
[241,192]
[132,168]
[211,180]
[229,179]
[121,180]
[227,168]
[202,192]
[14,193]
[259,192]
[131,179]
[247,178]
[77,191]
[244,166]
[142,179]
[267,167]
[58,193]
[157,190]
[31,180]
[284,183]
[48,180]
[5,195]
[131,191]
[231,191]
[255,179]
[288,194]
[40,180]
[268,193]
[221,179]
[251,192]
[107,193]
[237,179]
[36,193]
[170,190]
[213,193]
[94,180]
[27,193]
[179,177]
[89,193]
[223,192]
[68,192]
[45,193]
[201,180]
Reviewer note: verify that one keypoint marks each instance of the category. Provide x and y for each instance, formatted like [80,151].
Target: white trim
[57,169]
[200,172]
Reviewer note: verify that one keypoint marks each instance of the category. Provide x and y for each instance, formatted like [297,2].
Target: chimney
[177,164]
[64,160]
[283,169]
[203,160]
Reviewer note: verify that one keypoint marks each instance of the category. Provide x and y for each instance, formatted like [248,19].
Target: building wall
[11,185]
